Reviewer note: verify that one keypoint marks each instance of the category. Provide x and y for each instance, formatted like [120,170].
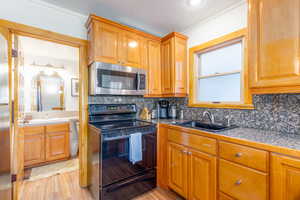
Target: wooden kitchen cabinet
[273,42]
[174,65]
[105,42]
[44,144]
[178,169]
[285,178]
[154,69]
[166,66]
[203,176]
[57,142]
[34,145]
[191,173]
[131,49]
[114,43]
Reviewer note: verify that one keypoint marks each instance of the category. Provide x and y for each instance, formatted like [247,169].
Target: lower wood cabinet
[192,174]
[46,143]
[34,145]
[178,168]
[204,167]
[203,176]
[241,182]
[285,178]
[224,197]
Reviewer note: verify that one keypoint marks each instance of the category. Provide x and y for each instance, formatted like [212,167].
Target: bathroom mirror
[48,92]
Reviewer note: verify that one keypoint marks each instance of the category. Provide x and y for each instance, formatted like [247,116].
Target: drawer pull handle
[238,182]
[206,145]
[189,153]
[238,155]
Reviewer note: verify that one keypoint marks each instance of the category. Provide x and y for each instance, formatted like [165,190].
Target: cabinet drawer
[201,143]
[241,182]
[57,128]
[250,157]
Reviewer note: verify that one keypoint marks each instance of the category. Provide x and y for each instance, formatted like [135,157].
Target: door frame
[82,45]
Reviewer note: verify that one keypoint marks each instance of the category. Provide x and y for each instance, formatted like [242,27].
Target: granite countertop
[286,140]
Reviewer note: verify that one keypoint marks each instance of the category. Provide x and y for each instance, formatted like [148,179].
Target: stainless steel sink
[206,126]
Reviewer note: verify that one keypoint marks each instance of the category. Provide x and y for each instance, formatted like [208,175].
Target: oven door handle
[116,138]
[121,137]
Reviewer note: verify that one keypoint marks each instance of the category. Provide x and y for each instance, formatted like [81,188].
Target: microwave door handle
[138,81]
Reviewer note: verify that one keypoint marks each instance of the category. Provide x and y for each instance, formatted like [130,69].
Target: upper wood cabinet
[131,50]
[105,42]
[274,38]
[114,43]
[154,69]
[174,65]
[285,178]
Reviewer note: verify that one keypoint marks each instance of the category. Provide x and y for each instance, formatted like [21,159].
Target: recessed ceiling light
[194,2]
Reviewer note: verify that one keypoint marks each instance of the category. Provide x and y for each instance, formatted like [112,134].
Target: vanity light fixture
[133,44]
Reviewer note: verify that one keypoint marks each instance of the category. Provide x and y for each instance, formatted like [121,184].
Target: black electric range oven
[123,152]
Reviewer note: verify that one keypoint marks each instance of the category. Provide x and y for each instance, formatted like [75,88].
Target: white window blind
[219,74]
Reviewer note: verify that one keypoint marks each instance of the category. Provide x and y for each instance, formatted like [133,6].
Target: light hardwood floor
[65,187]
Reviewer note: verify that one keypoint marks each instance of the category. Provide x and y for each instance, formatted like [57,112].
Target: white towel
[135,148]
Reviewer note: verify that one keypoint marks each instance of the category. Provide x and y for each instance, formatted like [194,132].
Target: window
[219,73]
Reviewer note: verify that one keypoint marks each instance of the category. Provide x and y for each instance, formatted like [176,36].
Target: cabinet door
[131,50]
[177,169]
[154,68]
[34,145]
[167,57]
[285,178]
[274,48]
[144,54]
[203,176]
[107,43]
[180,76]
[57,142]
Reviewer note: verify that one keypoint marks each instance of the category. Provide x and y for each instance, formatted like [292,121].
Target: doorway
[48,111]
[12,31]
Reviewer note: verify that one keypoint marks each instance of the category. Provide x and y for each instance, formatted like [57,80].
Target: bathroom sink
[206,126]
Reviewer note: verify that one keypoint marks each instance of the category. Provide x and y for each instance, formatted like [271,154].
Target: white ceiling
[154,16]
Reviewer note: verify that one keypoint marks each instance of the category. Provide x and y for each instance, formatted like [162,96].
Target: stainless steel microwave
[113,79]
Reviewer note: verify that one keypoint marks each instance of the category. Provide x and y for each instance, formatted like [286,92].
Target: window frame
[229,39]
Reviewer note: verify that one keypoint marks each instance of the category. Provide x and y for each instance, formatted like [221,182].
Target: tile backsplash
[272,112]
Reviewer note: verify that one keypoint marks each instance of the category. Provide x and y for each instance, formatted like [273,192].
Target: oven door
[117,164]
[122,178]
[117,80]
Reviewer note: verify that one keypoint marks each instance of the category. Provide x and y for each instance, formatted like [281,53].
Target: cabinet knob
[238,155]
[238,182]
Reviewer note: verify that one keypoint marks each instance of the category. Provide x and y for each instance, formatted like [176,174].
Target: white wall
[228,21]
[45,16]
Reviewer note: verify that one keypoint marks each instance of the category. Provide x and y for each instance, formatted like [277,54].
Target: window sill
[222,105]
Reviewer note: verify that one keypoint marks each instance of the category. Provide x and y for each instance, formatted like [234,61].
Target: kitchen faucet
[210,116]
